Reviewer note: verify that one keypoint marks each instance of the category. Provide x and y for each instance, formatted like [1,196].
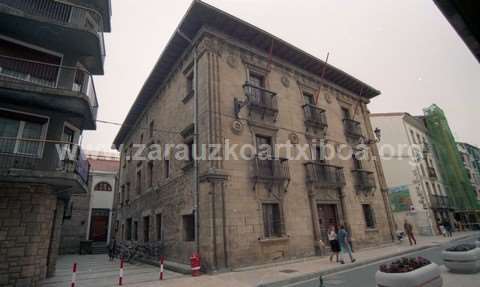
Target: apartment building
[416,188]
[89,216]
[252,89]
[49,51]
[470,155]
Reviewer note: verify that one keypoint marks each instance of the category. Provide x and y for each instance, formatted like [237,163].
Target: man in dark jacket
[409,231]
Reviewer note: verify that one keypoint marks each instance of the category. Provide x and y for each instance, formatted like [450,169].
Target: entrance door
[99,224]
[327,216]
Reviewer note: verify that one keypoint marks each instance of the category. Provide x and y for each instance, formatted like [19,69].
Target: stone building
[89,215]
[252,88]
[416,188]
[49,51]
[471,160]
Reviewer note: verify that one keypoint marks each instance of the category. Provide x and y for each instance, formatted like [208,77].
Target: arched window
[103,186]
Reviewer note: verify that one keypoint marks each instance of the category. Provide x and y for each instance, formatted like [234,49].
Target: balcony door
[258,81]
[264,152]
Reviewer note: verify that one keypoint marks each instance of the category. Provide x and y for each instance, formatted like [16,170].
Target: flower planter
[462,261]
[426,276]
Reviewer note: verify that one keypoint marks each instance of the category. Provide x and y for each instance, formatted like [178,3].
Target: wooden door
[99,225]
[327,216]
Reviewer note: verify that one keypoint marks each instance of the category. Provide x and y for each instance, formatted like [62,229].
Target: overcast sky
[406,49]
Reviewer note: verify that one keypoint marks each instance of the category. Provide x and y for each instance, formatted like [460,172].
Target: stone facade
[75,225]
[231,200]
[30,219]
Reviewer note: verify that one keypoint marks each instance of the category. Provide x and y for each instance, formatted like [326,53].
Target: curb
[313,275]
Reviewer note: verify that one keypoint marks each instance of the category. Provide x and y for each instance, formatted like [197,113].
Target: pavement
[289,273]
[99,272]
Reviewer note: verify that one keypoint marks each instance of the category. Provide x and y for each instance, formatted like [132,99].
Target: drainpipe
[195,186]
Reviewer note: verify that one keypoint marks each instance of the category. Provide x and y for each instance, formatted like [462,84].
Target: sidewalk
[281,273]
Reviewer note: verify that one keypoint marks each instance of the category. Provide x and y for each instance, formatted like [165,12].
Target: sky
[406,49]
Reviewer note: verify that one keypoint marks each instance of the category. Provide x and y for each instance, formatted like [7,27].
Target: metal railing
[352,128]
[41,155]
[260,98]
[275,169]
[364,180]
[325,175]
[314,116]
[51,76]
[63,13]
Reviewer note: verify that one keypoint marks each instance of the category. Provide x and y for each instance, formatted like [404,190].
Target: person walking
[344,245]
[111,249]
[448,228]
[409,231]
[334,246]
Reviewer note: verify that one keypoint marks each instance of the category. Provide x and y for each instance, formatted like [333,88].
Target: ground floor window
[135,231]
[369,216]
[128,234]
[146,228]
[189,227]
[159,226]
[272,220]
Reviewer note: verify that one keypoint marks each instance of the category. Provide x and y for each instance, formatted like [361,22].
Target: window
[308,99]
[423,170]
[346,113]
[369,216]
[122,235]
[151,129]
[188,227]
[135,231]
[150,174]
[428,188]
[357,164]
[146,228]
[190,84]
[21,134]
[129,229]
[412,134]
[122,195]
[272,225]
[139,182]
[103,186]
[257,80]
[190,151]
[264,145]
[158,219]
[166,166]
[141,139]
[319,153]
[127,197]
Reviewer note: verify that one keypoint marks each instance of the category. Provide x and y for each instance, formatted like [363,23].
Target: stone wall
[230,209]
[26,218]
[74,228]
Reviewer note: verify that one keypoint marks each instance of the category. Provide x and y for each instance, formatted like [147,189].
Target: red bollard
[120,279]
[162,258]
[74,274]
[195,264]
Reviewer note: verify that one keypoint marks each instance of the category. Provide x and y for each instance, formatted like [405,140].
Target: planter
[462,261]
[426,276]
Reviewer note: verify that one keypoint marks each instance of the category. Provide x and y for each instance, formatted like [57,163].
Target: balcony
[39,161]
[314,117]
[364,180]
[438,201]
[63,26]
[352,129]
[58,87]
[431,172]
[271,169]
[324,175]
[261,101]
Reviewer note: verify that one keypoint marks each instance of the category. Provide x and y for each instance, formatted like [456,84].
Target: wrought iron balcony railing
[314,116]
[325,175]
[352,128]
[63,13]
[364,180]
[40,155]
[271,169]
[50,76]
[261,100]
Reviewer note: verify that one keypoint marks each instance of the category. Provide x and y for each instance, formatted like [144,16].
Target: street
[365,275]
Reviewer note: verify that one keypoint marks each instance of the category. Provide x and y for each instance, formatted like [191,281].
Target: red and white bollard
[162,258]
[195,264]
[120,279]
[74,274]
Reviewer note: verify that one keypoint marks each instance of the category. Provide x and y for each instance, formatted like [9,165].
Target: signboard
[400,198]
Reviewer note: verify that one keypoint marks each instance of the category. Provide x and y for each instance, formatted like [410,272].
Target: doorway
[99,225]
[327,216]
